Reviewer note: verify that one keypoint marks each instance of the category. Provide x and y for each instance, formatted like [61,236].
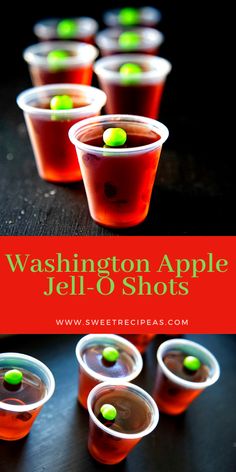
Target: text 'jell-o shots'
[130,16]
[76,29]
[104,357]
[57,62]
[120,415]
[26,384]
[141,341]
[184,370]
[49,113]
[136,40]
[133,83]
[118,157]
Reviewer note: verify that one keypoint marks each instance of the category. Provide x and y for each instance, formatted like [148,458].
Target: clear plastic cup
[84,31]
[139,93]
[148,41]
[55,156]
[19,408]
[76,68]
[127,368]
[135,409]
[172,393]
[144,16]
[119,181]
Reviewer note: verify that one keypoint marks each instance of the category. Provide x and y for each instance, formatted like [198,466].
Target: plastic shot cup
[126,17]
[77,29]
[135,415]
[141,341]
[57,62]
[26,384]
[55,156]
[135,40]
[119,180]
[133,83]
[105,357]
[173,394]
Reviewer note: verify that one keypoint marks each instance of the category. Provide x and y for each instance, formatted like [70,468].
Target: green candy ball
[129,68]
[128,16]
[108,412]
[110,354]
[13,377]
[114,137]
[56,59]
[129,40]
[61,102]
[67,29]
[128,72]
[57,55]
[192,363]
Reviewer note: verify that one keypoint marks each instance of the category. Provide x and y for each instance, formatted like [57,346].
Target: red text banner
[165,285]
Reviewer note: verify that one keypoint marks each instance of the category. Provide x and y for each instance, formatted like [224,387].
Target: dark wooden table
[201,440]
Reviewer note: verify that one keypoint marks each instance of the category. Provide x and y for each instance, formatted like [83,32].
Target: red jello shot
[130,16]
[185,369]
[135,40]
[141,341]
[133,83]
[58,62]
[105,357]
[119,417]
[26,384]
[48,127]
[118,174]
[76,29]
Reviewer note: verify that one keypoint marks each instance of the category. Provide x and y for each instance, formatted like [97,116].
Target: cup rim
[40,26]
[99,99]
[35,405]
[86,53]
[135,388]
[162,67]
[154,125]
[111,15]
[119,339]
[105,40]
[170,344]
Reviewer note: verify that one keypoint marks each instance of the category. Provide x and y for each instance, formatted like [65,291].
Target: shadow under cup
[18,415]
[55,156]
[119,181]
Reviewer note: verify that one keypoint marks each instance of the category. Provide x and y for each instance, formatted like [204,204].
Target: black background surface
[201,440]
[194,191]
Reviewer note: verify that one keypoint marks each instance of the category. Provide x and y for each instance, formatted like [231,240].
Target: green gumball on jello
[133,40]
[82,29]
[130,16]
[105,357]
[185,369]
[50,111]
[134,83]
[26,384]
[55,62]
[118,156]
[67,29]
